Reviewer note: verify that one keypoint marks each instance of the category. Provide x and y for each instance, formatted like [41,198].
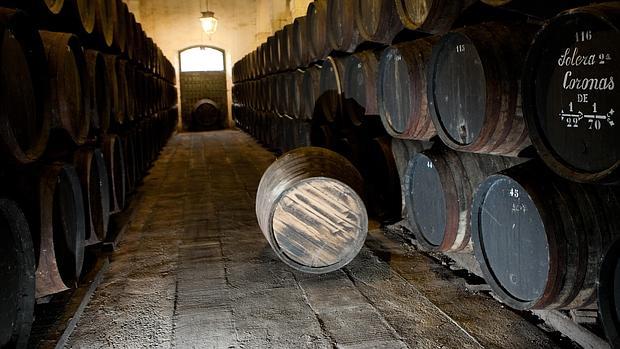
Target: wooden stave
[311,90]
[37,69]
[570,265]
[502,74]
[113,153]
[301,53]
[296,167]
[74,125]
[99,105]
[369,60]
[339,15]
[609,16]
[105,14]
[316,30]
[23,298]
[420,125]
[438,19]
[388,26]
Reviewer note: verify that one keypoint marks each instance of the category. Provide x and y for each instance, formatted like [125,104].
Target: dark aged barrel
[401,90]
[131,154]
[17,267]
[342,34]
[207,115]
[608,297]
[301,48]
[92,172]
[360,86]
[98,108]
[105,15]
[569,94]
[37,7]
[286,49]
[131,24]
[383,184]
[329,102]
[377,20]
[310,92]
[122,89]
[295,86]
[25,127]
[117,117]
[113,154]
[316,22]
[431,16]
[309,208]
[439,188]
[473,89]
[403,150]
[120,26]
[67,92]
[528,232]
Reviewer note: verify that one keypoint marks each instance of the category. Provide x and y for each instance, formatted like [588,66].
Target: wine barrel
[301,45]
[67,90]
[401,90]
[123,91]
[310,92]
[25,127]
[17,272]
[105,15]
[528,231]
[439,188]
[434,16]
[131,33]
[271,55]
[295,86]
[316,22]
[117,117]
[403,150]
[309,208]
[113,153]
[120,26]
[360,86]
[132,158]
[342,34]
[93,175]
[329,102]
[608,298]
[569,94]
[98,108]
[486,61]
[286,49]
[377,20]
[39,8]
[207,116]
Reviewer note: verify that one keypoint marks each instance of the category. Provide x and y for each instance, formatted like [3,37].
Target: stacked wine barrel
[502,122]
[88,100]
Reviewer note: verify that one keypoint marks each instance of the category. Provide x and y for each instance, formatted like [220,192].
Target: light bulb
[208,22]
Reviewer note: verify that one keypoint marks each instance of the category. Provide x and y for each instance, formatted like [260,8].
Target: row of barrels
[344,26]
[56,93]
[501,88]
[105,25]
[538,238]
[51,211]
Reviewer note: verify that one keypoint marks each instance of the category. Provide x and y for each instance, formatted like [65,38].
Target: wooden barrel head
[570,94]
[609,294]
[428,203]
[457,88]
[319,224]
[510,239]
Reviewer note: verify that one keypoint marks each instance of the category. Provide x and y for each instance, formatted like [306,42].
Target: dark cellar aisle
[194,271]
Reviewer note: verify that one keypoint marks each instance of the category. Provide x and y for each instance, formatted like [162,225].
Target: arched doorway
[203,77]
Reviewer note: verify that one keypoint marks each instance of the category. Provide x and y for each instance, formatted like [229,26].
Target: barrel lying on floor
[309,208]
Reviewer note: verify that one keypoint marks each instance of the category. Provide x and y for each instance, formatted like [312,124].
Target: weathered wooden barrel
[403,151]
[105,15]
[608,300]
[316,22]
[539,9]
[132,158]
[329,102]
[310,92]
[67,90]
[92,172]
[17,272]
[434,16]
[486,61]
[342,34]
[569,94]
[382,181]
[113,153]
[286,47]
[528,231]
[25,126]
[439,187]
[98,108]
[131,34]
[309,208]
[377,20]
[120,26]
[207,115]
[295,86]
[117,117]
[123,91]
[132,100]
[401,90]
[301,44]
[360,86]
[271,55]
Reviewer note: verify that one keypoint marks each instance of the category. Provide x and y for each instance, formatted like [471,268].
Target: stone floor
[194,271]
